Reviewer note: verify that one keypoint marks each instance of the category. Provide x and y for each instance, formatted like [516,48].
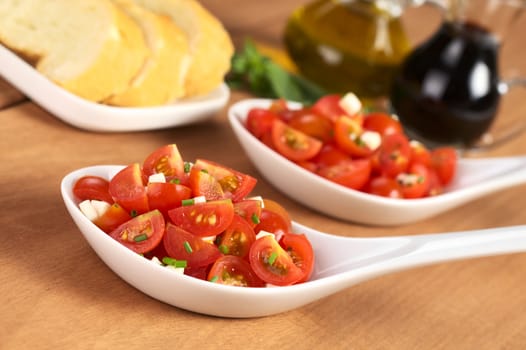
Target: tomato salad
[198,218]
[369,152]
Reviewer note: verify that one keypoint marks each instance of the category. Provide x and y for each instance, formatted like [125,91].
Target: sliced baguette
[211,48]
[90,47]
[162,78]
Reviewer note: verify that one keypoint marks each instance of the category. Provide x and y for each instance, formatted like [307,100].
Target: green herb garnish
[141,238]
[257,73]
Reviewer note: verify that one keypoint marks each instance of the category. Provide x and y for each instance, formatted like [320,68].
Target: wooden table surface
[57,294]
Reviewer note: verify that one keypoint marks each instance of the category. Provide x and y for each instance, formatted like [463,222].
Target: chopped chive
[187,167]
[174,262]
[420,179]
[133,213]
[214,279]
[255,219]
[175,181]
[186,202]
[187,247]
[141,238]
[272,258]
[360,142]
[223,249]
[204,171]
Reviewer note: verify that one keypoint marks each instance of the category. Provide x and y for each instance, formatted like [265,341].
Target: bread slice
[162,78]
[90,47]
[211,48]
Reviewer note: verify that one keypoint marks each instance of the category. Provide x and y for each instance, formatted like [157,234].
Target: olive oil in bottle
[348,45]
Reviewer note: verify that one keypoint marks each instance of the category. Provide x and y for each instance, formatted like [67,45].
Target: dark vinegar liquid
[447,89]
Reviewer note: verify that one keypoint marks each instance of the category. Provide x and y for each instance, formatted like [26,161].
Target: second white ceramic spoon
[475,178]
[340,262]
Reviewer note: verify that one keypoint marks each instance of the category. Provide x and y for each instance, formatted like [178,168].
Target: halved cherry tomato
[237,238]
[234,184]
[272,264]
[294,144]
[127,189]
[382,123]
[444,161]
[204,219]
[415,183]
[183,245]
[166,160]
[348,136]
[312,124]
[394,154]
[250,210]
[112,218]
[234,271]
[166,195]
[384,186]
[330,155]
[352,173]
[308,165]
[300,250]
[92,187]
[329,107]
[259,121]
[142,233]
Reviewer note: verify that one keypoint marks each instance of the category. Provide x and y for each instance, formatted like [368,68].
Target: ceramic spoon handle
[429,249]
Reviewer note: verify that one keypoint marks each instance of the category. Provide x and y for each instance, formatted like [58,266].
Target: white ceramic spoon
[476,178]
[92,116]
[340,262]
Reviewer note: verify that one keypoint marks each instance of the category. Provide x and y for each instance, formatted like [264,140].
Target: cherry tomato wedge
[394,154]
[234,271]
[329,107]
[259,121]
[250,210]
[112,218]
[166,195]
[312,124]
[142,233]
[204,219]
[274,218]
[384,186]
[444,160]
[127,189]
[237,238]
[204,184]
[348,136]
[166,160]
[272,264]
[234,184]
[183,245]
[415,183]
[382,123]
[300,250]
[292,143]
[92,187]
[420,154]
